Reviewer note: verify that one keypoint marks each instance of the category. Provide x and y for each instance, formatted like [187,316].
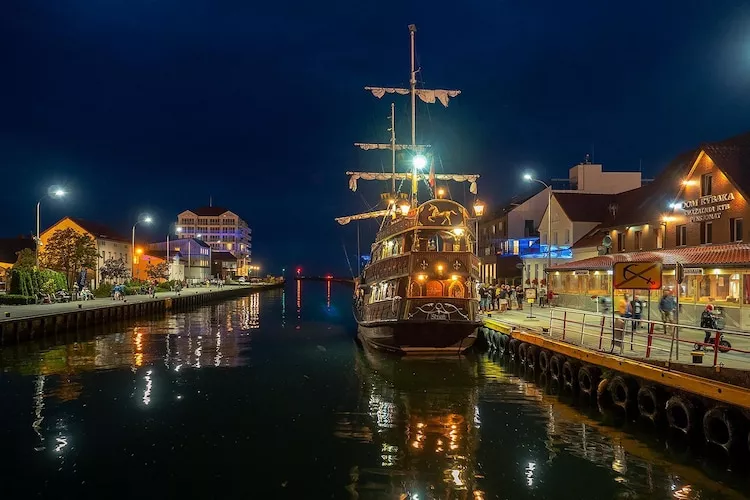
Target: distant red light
[328,277]
[299,270]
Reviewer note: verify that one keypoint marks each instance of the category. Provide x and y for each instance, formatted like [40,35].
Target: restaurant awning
[727,255]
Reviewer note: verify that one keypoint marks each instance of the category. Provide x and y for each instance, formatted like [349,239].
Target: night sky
[154,106]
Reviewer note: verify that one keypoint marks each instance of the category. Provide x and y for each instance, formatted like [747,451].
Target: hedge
[16,300]
[28,283]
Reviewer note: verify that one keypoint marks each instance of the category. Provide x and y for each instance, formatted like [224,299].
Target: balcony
[452,262]
[396,227]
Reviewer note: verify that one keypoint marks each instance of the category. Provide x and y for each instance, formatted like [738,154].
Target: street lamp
[142,218]
[528,177]
[420,162]
[478,212]
[53,192]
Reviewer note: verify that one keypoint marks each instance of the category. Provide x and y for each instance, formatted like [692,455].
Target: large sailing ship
[418,293]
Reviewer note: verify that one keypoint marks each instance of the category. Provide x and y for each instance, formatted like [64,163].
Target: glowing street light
[142,218]
[528,177]
[478,212]
[53,192]
[404,207]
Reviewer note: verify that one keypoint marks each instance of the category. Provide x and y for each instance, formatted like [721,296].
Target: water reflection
[426,436]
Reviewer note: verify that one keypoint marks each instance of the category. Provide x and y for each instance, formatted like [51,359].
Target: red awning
[733,254]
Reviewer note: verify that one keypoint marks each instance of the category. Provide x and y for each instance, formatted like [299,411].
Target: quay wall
[23,329]
[693,404]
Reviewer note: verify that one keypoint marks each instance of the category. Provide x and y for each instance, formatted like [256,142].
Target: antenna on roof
[210,201]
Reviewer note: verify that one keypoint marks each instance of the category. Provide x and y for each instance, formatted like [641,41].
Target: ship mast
[413,85]
[418,161]
[393,148]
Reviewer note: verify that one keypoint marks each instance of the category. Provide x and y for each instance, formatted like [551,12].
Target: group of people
[632,309]
[502,297]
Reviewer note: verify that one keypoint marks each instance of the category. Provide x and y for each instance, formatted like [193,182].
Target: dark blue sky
[157,105]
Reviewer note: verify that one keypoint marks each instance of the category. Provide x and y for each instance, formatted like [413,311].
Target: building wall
[738,208]
[589,178]
[531,209]
[196,258]
[223,232]
[106,249]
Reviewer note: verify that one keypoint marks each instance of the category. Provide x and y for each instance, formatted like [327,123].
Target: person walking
[667,307]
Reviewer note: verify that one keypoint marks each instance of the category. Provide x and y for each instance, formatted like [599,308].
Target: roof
[209,211]
[636,206]
[223,255]
[731,254]
[592,239]
[9,248]
[100,231]
[732,156]
[584,207]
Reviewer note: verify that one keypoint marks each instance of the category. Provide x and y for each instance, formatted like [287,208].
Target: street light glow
[527,177]
[420,162]
[59,193]
[147,219]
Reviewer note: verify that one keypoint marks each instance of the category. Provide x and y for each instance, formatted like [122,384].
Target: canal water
[269,396]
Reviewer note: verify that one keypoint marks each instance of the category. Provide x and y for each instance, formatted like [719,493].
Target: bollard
[650,340]
[7,315]
[716,347]
[565,322]
[601,334]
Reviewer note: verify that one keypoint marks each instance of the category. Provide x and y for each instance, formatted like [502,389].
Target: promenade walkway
[594,331]
[40,310]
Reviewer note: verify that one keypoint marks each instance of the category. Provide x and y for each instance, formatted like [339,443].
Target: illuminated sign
[707,208]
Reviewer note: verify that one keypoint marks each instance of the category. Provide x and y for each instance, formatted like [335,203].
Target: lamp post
[142,218]
[528,177]
[51,193]
[478,212]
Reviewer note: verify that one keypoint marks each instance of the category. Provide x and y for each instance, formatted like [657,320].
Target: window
[707,233]
[706,184]
[528,228]
[659,237]
[554,238]
[735,229]
[681,235]
[620,242]
[639,240]
[567,236]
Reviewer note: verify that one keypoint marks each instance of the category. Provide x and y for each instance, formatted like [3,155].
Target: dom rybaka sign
[707,207]
[637,275]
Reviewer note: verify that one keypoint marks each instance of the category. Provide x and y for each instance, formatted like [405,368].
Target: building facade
[222,230]
[194,257]
[692,214]
[109,244]
[514,243]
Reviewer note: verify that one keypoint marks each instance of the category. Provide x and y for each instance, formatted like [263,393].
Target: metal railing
[650,339]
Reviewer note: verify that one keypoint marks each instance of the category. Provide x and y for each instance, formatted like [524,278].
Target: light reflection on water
[308,406]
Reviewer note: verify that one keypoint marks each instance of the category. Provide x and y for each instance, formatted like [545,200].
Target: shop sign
[707,208]
[692,271]
[580,273]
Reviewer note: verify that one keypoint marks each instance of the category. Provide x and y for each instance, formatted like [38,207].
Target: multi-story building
[221,229]
[109,244]
[693,214]
[191,255]
[518,231]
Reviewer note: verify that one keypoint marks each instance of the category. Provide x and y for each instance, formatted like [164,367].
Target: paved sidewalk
[587,329]
[38,310]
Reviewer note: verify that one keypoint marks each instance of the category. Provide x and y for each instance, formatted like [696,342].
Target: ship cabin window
[384,290]
[439,288]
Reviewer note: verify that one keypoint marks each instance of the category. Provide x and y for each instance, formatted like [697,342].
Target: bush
[29,282]
[166,286]
[16,300]
[104,291]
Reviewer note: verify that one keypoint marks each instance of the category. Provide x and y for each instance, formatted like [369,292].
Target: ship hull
[419,337]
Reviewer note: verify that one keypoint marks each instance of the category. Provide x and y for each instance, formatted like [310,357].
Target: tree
[158,271]
[26,259]
[114,268]
[69,251]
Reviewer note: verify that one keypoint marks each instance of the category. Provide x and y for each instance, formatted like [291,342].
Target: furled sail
[385,176]
[367,215]
[428,96]
[399,147]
